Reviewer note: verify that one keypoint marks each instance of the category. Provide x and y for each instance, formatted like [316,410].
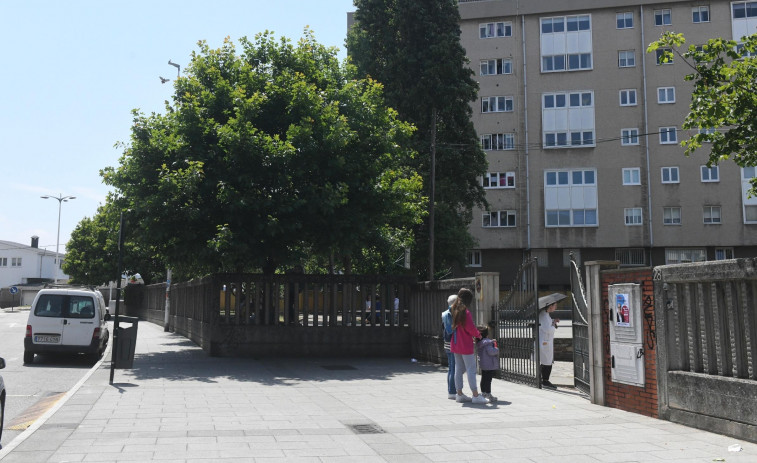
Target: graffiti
[651,334]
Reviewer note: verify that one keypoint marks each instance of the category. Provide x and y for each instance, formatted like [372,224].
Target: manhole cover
[366,429]
[338,367]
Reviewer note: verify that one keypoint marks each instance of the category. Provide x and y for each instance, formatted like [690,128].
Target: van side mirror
[2,363]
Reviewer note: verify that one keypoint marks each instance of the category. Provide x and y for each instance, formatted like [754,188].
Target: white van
[67,320]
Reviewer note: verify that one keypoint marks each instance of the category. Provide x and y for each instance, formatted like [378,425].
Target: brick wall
[641,400]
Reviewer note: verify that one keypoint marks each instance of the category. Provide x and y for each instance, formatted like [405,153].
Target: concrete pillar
[594,302]
[486,296]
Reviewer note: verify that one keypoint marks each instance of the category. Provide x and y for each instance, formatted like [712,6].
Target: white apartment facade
[22,264]
[582,132]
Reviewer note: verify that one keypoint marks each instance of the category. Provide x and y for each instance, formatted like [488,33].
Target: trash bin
[126,342]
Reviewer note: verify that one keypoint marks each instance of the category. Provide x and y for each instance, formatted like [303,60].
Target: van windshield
[64,306]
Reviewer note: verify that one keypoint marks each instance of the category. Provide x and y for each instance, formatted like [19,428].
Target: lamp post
[61,199]
[163,80]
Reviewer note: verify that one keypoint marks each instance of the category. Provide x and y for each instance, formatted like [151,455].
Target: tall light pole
[61,199]
[163,80]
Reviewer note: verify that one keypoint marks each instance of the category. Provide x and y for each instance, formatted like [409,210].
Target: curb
[43,419]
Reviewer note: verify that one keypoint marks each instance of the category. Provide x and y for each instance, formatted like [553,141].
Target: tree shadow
[180,359]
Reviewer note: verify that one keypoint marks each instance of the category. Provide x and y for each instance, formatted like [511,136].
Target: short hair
[484,330]
[451,300]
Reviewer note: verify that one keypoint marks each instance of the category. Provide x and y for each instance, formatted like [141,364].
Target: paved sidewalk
[178,404]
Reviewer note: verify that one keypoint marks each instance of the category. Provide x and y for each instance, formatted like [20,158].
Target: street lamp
[61,199]
[163,80]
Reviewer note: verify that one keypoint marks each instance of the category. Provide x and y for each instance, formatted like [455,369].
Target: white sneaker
[452,396]
[462,398]
[490,397]
[479,399]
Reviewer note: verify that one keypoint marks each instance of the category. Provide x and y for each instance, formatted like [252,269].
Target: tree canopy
[414,49]
[724,101]
[265,156]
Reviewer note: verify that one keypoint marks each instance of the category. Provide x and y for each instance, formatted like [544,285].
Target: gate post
[486,296]
[596,353]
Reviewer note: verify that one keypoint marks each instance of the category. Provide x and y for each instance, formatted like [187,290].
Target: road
[31,389]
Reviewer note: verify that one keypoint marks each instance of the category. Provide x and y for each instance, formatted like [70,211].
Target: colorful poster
[622,311]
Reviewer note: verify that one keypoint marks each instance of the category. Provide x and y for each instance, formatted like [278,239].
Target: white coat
[546,339]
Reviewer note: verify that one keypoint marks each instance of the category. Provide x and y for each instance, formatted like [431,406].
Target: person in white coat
[547,327]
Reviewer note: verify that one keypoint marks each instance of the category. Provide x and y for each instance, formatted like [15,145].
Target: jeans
[465,364]
[451,373]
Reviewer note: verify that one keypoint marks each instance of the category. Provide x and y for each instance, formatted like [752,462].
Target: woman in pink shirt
[462,346]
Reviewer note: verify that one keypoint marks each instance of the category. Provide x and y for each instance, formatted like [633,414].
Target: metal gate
[516,319]
[581,347]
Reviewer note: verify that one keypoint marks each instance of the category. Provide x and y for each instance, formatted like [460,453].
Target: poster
[622,311]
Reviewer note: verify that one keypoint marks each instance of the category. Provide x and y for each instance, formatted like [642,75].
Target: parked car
[2,401]
[67,321]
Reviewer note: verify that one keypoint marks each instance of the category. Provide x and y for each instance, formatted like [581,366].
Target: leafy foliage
[724,73]
[413,48]
[265,156]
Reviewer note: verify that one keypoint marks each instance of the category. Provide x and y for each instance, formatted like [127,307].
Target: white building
[28,265]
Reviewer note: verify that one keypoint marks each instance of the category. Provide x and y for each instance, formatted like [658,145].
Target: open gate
[517,328]
[581,346]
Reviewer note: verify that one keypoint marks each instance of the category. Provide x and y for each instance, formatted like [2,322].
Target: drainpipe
[525,134]
[646,135]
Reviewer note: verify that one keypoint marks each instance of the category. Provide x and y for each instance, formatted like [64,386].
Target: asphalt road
[31,389]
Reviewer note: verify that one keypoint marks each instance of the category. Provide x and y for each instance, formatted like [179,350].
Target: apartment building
[582,130]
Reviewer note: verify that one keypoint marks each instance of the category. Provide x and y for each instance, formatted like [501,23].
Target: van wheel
[28,357]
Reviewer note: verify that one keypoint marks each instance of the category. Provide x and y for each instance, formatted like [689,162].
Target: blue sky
[73,71]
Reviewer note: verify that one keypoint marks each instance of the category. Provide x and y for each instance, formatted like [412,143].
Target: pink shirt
[462,339]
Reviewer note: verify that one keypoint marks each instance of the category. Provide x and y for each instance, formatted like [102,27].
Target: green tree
[724,73]
[414,49]
[265,156]
[92,251]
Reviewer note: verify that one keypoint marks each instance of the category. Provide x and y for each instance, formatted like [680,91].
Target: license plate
[46,339]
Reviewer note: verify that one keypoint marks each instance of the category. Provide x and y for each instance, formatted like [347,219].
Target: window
[629,137]
[631,176]
[566,43]
[626,58]
[491,67]
[679,256]
[498,219]
[474,258]
[670,175]
[664,56]
[671,216]
[568,119]
[570,198]
[711,214]
[700,14]
[666,95]
[632,215]
[742,10]
[668,135]
[498,141]
[624,20]
[628,97]
[496,104]
[724,253]
[15,262]
[750,204]
[663,17]
[3,261]
[710,174]
[491,30]
[499,180]
[631,257]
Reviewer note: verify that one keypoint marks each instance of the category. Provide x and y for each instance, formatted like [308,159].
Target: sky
[73,71]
